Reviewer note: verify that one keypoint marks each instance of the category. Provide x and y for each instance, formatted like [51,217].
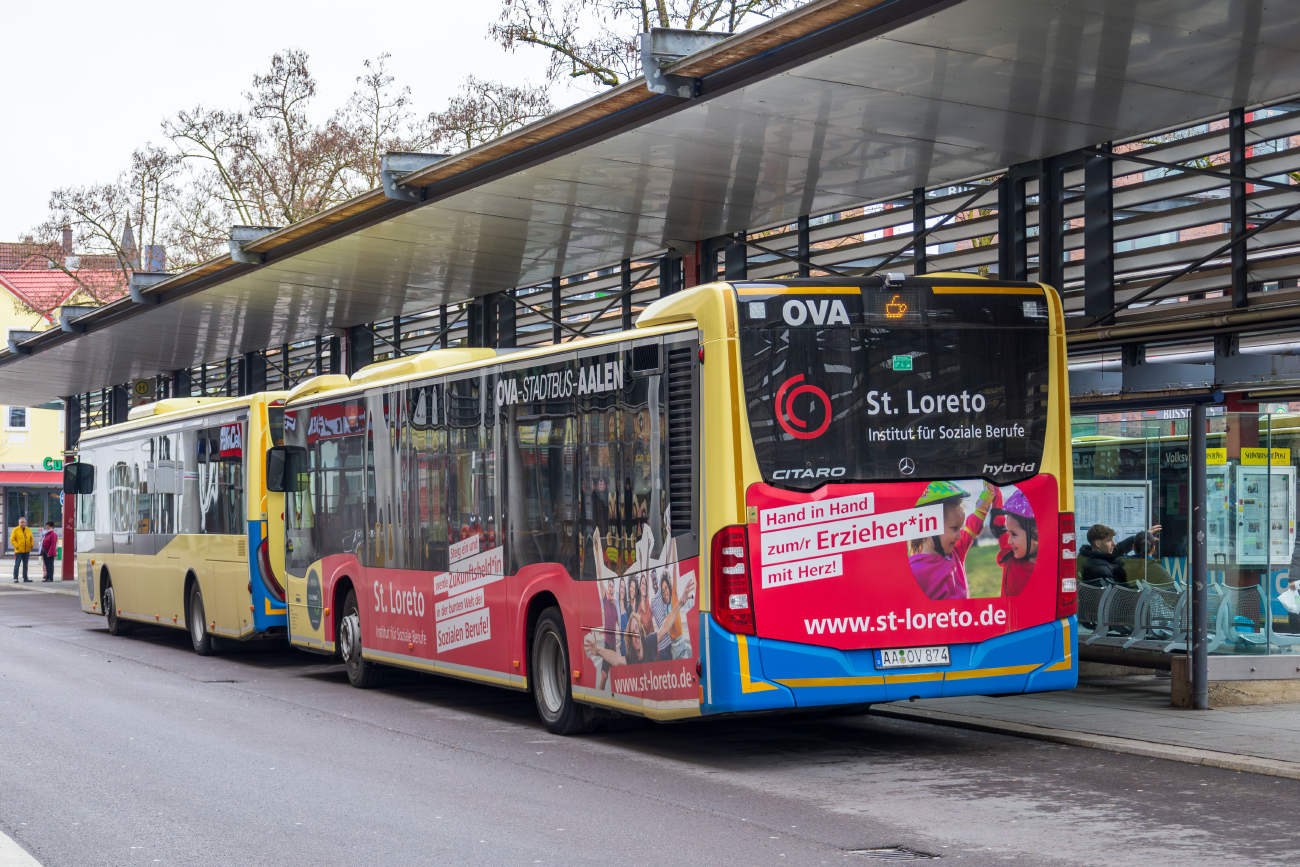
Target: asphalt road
[126,751]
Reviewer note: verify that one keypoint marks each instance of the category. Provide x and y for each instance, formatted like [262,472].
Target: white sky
[82,84]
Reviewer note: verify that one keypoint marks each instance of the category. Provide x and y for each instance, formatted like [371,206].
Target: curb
[57,588]
[1127,746]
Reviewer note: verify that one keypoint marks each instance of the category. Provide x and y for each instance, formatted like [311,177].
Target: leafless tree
[484,110]
[596,40]
[265,163]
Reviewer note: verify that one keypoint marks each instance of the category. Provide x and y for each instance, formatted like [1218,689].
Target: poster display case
[1219,518]
[1265,514]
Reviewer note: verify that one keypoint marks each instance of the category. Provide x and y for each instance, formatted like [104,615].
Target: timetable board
[1124,506]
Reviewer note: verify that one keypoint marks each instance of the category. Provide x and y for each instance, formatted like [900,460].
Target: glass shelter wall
[1132,475]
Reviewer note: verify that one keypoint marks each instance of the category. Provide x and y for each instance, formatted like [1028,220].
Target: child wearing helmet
[1017,532]
[939,562]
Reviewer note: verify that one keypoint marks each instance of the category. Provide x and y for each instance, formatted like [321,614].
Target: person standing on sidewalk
[21,539]
[49,547]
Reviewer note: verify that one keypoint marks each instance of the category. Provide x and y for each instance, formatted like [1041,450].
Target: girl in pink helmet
[939,562]
[1017,532]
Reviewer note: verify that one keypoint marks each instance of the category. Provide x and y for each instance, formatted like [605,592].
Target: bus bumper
[749,674]
[268,612]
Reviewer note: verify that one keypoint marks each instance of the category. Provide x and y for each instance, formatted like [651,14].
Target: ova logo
[824,312]
[785,414]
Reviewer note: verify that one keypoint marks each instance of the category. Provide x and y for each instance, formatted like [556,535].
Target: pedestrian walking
[49,547]
[21,539]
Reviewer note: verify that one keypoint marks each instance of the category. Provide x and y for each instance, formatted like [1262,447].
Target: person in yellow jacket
[21,539]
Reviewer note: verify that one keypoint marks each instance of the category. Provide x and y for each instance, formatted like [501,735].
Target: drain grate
[894,853]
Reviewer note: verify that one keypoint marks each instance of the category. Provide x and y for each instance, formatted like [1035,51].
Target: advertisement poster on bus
[903,564]
[641,633]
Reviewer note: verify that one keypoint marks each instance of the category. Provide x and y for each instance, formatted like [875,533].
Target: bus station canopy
[836,104]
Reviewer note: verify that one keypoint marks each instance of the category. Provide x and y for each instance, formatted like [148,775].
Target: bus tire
[116,625]
[548,669]
[200,638]
[362,673]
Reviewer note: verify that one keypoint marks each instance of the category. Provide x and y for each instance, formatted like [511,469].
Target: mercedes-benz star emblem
[906,467]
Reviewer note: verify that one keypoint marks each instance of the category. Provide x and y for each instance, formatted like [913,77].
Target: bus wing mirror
[283,466]
[78,478]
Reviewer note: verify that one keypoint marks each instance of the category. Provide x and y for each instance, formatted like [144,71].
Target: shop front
[33,492]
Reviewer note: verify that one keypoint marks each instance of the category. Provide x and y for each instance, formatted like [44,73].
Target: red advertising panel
[904,563]
[232,440]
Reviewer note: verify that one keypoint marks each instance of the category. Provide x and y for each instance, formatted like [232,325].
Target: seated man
[1099,559]
[1144,565]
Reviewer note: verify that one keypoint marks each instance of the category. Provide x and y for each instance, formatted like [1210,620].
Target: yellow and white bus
[172,524]
[769,495]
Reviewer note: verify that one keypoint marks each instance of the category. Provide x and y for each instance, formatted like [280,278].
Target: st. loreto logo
[785,414]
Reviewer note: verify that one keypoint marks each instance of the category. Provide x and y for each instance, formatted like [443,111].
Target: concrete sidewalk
[1129,715]
[61,588]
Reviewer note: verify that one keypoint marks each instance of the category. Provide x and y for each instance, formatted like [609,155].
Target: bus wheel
[362,673]
[199,635]
[549,675]
[116,625]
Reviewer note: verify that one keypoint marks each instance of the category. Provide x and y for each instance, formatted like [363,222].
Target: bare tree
[265,163]
[379,118]
[273,165]
[596,40]
[484,110]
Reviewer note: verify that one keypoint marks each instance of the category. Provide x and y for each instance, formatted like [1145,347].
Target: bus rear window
[914,384]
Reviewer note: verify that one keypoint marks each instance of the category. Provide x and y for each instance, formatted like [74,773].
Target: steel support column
[119,404]
[252,373]
[556,302]
[625,291]
[918,225]
[805,247]
[1098,238]
[735,259]
[361,348]
[1013,254]
[709,249]
[71,436]
[1051,217]
[335,362]
[506,334]
[670,275]
[483,321]
[1237,202]
[182,383]
[1197,567]
[71,422]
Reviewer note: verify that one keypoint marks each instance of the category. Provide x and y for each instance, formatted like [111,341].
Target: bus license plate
[912,657]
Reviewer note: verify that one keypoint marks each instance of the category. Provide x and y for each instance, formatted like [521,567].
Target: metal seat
[1157,612]
[1115,615]
[1090,598]
[1244,620]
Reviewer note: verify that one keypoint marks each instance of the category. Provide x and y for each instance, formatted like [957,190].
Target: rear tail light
[1067,594]
[268,577]
[732,594]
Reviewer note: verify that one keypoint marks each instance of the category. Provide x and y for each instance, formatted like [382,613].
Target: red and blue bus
[768,495]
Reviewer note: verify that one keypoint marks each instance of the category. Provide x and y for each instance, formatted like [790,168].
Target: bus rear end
[907,529]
